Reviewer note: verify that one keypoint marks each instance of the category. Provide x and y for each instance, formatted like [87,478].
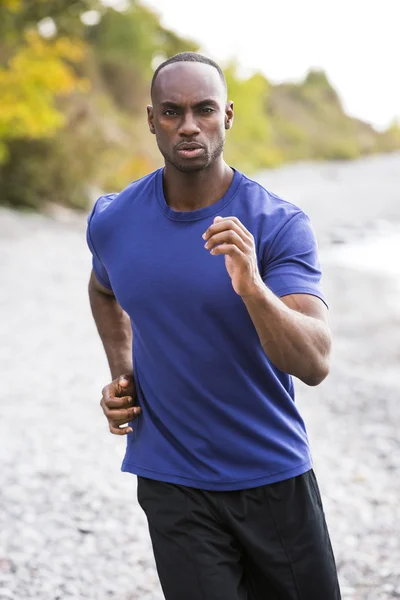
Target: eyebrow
[206,102]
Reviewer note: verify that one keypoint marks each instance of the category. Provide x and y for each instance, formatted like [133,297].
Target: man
[217,282]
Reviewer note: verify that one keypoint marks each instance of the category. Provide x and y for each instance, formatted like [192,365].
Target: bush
[50,170]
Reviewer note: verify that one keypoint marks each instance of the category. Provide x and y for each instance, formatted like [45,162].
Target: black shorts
[264,543]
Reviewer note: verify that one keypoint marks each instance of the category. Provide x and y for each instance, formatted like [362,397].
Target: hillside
[74,82]
[308,122]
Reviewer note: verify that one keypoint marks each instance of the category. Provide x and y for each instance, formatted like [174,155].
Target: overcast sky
[357,43]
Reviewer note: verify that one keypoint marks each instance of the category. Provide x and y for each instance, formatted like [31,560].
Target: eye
[169,112]
[207,110]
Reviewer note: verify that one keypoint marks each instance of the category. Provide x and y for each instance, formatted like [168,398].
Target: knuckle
[105,389]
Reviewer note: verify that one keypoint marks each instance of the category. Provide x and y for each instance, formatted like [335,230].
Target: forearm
[115,331]
[295,343]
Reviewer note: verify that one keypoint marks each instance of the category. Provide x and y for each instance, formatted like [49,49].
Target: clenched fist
[118,404]
[228,236]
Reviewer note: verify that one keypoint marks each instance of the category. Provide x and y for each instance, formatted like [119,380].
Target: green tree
[126,44]
[249,141]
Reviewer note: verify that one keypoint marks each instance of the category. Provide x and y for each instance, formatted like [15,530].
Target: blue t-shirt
[216,414]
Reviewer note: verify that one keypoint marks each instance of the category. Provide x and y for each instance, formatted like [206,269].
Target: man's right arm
[114,327]
[113,324]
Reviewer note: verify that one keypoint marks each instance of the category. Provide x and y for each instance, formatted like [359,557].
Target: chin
[191,165]
[190,168]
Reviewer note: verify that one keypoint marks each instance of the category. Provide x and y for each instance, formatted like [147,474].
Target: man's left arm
[293,329]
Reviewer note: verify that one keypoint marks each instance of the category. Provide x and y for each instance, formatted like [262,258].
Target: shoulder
[266,200]
[269,213]
[114,204]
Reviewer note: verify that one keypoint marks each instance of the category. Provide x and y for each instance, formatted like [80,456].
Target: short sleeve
[98,267]
[291,264]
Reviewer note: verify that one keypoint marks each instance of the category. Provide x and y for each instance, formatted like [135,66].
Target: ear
[150,119]
[228,115]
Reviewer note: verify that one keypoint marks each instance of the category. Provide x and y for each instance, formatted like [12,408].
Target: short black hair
[189,57]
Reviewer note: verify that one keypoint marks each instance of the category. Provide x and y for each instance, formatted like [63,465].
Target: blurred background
[317,95]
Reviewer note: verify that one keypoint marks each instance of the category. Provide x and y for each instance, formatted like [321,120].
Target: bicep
[290,265]
[308,305]
[95,284]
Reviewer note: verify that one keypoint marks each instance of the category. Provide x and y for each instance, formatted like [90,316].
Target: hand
[118,404]
[228,236]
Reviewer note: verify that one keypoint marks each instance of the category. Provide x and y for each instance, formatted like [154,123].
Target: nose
[189,126]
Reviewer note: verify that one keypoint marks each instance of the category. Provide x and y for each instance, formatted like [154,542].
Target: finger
[223,224]
[118,402]
[120,430]
[124,380]
[122,416]
[227,224]
[228,249]
[238,223]
[125,383]
[123,386]
[226,237]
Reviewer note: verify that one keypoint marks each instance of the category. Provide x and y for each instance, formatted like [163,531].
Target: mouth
[189,150]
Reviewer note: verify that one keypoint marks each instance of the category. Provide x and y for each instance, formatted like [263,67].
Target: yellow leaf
[34,77]
[12,5]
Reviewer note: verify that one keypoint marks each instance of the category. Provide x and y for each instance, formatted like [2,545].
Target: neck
[186,191]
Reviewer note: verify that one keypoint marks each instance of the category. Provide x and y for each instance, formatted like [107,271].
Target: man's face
[189,115]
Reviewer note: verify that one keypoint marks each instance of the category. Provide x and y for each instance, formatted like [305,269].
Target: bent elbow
[318,375]
[314,380]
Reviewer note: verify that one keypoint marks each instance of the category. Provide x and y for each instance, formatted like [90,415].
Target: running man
[206,294]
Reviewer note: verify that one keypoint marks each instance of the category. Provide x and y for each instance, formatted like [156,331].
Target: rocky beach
[70,525]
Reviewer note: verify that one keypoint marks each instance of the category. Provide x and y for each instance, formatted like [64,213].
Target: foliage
[56,136]
[390,139]
[308,122]
[28,87]
[249,141]
[73,96]
[125,45]
[18,15]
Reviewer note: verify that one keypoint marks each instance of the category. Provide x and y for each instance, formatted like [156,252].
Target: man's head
[190,112]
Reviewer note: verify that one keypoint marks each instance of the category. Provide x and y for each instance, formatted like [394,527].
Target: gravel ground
[70,526]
